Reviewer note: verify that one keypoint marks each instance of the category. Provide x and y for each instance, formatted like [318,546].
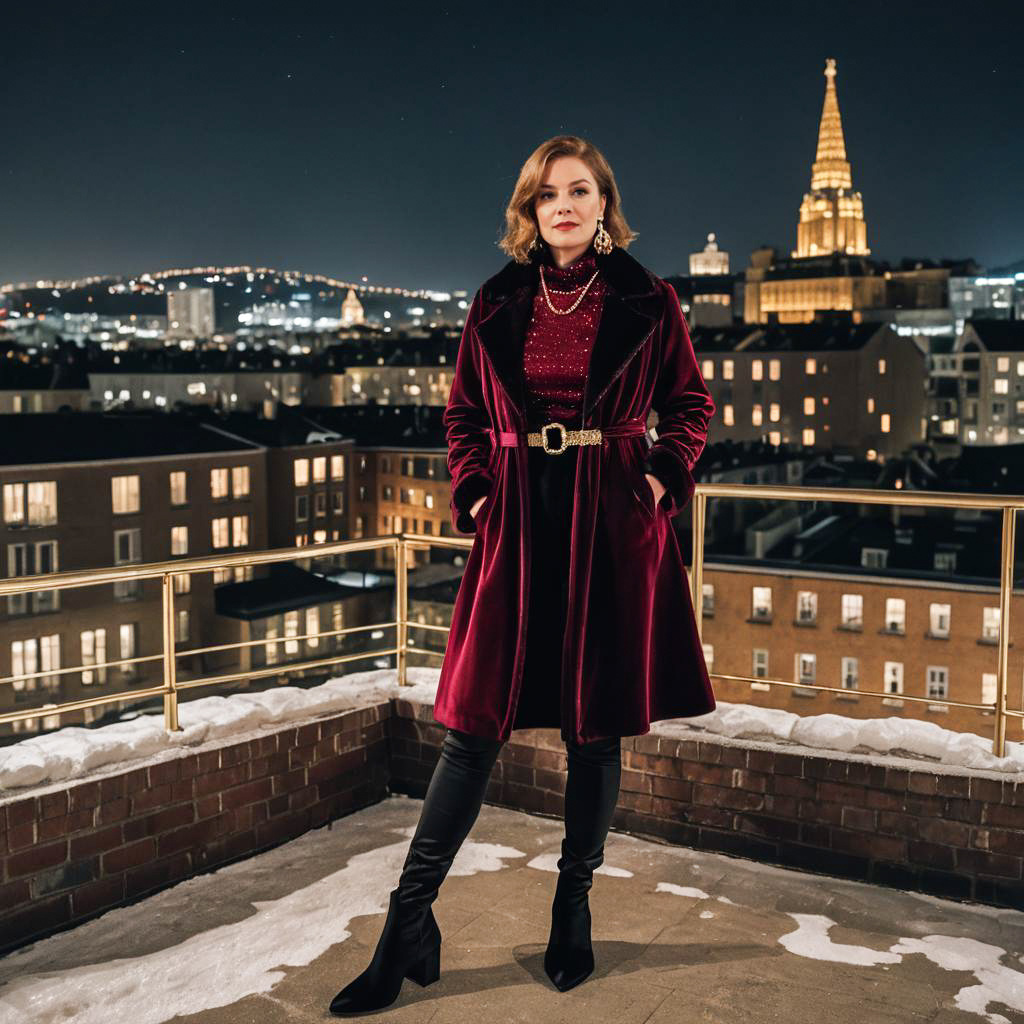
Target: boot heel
[426,971]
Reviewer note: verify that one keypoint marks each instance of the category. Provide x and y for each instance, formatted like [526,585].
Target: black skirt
[552,483]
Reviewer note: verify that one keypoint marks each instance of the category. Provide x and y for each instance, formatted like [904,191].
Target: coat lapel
[632,307]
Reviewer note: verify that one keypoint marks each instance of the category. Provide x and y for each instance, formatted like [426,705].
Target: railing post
[699,511]
[401,605]
[170,664]
[1005,594]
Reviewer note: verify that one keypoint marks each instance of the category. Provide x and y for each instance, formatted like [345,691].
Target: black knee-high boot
[410,945]
[591,793]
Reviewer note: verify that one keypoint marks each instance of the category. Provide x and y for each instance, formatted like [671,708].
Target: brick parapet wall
[73,851]
[950,832]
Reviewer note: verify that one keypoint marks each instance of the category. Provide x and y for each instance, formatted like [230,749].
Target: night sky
[384,139]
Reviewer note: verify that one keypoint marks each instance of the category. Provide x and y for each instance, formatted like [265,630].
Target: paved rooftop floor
[679,936]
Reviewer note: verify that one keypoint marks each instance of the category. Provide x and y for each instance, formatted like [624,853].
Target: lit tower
[832,214]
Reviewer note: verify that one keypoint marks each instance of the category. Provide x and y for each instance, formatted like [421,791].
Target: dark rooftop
[45,437]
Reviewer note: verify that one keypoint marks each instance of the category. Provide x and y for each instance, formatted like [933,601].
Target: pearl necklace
[547,297]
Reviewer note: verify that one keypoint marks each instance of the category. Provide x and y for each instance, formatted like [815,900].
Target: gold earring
[535,244]
[602,240]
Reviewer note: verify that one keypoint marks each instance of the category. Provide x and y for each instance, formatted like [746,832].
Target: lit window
[301,472]
[220,532]
[757,370]
[808,436]
[810,365]
[809,405]
[759,662]
[709,656]
[291,629]
[219,483]
[179,487]
[127,633]
[728,369]
[239,531]
[94,652]
[124,493]
[319,469]
[756,415]
[852,610]
[1001,385]
[938,681]
[806,667]
[939,616]
[14,504]
[1003,364]
[990,623]
[179,540]
[313,625]
[806,606]
[774,412]
[989,682]
[761,602]
[893,677]
[895,614]
[881,366]
[728,415]
[850,673]
[885,423]
[240,481]
[337,467]
[774,369]
[707,369]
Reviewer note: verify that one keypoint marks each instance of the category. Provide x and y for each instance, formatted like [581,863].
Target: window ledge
[849,627]
[892,632]
[763,621]
[936,636]
[806,623]
[800,691]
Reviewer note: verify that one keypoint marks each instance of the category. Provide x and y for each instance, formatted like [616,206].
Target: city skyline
[171,162]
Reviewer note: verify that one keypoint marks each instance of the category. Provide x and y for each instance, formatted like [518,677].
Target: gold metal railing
[402,543]
[1008,505]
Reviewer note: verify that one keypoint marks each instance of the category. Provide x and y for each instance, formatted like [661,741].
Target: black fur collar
[622,272]
[633,306]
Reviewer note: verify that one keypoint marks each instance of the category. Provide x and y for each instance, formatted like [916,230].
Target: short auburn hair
[520,222]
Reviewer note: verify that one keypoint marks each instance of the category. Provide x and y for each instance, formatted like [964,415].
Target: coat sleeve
[466,426]
[684,407]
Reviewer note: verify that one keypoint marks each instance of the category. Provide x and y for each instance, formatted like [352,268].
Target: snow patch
[549,862]
[225,964]
[76,752]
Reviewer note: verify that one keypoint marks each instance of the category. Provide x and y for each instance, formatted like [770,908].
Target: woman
[574,611]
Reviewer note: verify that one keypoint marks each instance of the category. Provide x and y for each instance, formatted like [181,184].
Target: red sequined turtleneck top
[557,348]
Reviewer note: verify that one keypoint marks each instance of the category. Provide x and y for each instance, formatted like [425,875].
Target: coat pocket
[642,489]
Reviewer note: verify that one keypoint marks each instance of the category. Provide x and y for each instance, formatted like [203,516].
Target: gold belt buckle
[544,437]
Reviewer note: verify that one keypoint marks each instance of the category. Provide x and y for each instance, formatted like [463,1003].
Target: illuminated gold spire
[831,168]
[831,214]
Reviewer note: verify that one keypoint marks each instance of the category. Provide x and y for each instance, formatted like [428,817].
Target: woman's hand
[656,486]
[475,507]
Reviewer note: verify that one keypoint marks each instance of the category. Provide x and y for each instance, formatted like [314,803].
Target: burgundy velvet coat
[631,654]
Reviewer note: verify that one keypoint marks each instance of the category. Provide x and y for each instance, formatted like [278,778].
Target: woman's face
[568,195]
